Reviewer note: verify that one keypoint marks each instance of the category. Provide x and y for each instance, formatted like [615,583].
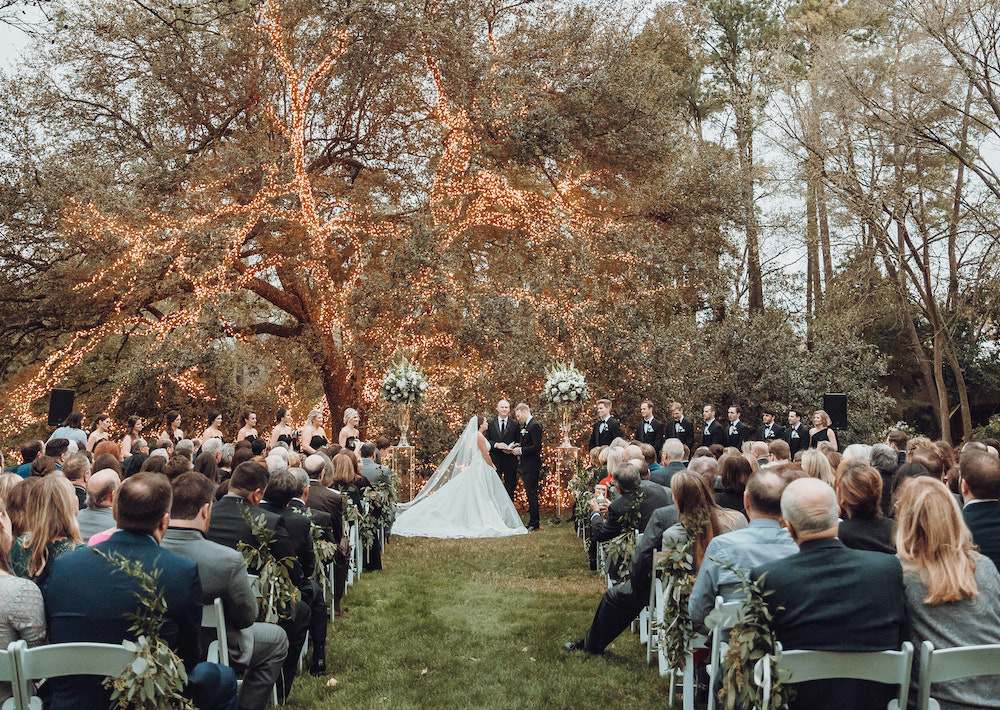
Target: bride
[464,497]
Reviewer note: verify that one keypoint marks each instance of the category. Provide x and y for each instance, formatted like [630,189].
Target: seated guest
[43,465]
[22,612]
[98,515]
[374,472]
[821,598]
[77,471]
[898,441]
[282,486]
[176,465]
[30,450]
[52,529]
[742,550]
[606,521]
[673,461]
[981,493]
[259,648]
[228,527]
[695,505]
[649,456]
[952,591]
[736,472]
[103,461]
[7,482]
[17,505]
[859,493]
[346,477]
[320,471]
[778,453]
[88,599]
[885,461]
[862,453]
[816,465]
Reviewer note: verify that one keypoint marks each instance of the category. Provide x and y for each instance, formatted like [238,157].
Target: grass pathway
[478,624]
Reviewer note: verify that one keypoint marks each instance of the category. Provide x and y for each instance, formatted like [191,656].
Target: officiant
[502,433]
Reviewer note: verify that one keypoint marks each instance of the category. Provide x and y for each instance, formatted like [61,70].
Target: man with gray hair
[213,447]
[885,461]
[707,467]
[98,515]
[859,452]
[673,461]
[184,447]
[276,464]
[821,598]
[77,469]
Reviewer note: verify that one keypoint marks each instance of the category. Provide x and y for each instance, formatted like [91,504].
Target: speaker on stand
[835,405]
[60,406]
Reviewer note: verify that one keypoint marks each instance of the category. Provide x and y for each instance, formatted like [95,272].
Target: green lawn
[478,624]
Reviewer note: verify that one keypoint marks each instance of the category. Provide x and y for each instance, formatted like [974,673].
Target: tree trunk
[744,139]
[944,418]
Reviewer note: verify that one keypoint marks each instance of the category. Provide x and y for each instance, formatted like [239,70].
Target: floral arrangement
[564,384]
[404,383]
[901,426]
[274,584]
[156,678]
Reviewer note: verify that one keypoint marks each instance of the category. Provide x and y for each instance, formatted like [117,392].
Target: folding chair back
[8,673]
[942,665]
[727,613]
[65,659]
[214,617]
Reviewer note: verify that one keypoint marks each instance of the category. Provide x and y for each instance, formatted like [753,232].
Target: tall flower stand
[402,463]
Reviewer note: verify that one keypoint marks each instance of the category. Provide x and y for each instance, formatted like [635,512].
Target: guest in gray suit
[97,516]
[374,472]
[259,648]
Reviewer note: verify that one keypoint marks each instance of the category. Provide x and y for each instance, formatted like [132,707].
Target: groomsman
[769,431]
[650,430]
[796,435]
[502,432]
[738,432]
[680,428]
[712,433]
[529,452]
[607,428]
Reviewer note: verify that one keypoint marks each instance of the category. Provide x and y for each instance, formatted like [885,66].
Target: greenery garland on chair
[381,499]
[751,641]
[676,629]
[621,547]
[581,485]
[273,586]
[323,551]
[156,678]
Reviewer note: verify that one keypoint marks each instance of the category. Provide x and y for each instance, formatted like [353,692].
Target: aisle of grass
[478,624]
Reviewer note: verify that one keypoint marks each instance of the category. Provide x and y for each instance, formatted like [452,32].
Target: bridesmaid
[248,424]
[313,435]
[214,429]
[134,432]
[350,436]
[99,431]
[172,427]
[282,430]
[821,430]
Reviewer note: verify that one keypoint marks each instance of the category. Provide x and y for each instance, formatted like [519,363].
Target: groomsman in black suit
[738,432]
[529,452]
[712,433]
[650,430]
[796,435]
[502,432]
[769,431]
[607,428]
[681,428]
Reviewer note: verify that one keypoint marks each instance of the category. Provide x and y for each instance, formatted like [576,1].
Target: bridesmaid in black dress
[283,430]
[313,435]
[350,435]
[248,426]
[821,430]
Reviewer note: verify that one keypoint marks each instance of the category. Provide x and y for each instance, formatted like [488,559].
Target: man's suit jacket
[606,528]
[682,429]
[823,599]
[223,575]
[300,532]
[656,437]
[641,567]
[92,522]
[741,434]
[330,502]
[510,435]
[797,438]
[716,434]
[531,447]
[983,520]
[87,600]
[604,435]
[375,472]
[322,520]
[228,528]
[664,474]
[777,432]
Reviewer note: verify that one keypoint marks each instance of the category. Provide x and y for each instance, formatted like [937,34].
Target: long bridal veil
[462,456]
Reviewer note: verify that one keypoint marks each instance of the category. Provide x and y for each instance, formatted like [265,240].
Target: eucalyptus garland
[750,640]
[676,629]
[323,551]
[581,485]
[273,586]
[621,547]
[156,677]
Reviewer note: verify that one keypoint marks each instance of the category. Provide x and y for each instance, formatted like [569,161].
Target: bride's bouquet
[564,385]
[404,383]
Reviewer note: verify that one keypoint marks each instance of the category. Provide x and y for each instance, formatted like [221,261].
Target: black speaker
[60,406]
[836,406]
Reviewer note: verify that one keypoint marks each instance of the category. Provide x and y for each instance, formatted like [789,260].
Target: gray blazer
[94,521]
[374,472]
[223,574]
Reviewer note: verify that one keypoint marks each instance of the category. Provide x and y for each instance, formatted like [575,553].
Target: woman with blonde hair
[821,430]
[817,465]
[313,434]
[52,528]
[952,591]
[615,456]
[349,436]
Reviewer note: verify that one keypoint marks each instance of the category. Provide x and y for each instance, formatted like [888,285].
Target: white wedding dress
[463,499]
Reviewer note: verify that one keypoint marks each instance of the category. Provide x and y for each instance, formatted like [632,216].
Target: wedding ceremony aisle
[477,624]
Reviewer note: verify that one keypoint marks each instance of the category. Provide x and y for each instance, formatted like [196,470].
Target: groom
[529,451]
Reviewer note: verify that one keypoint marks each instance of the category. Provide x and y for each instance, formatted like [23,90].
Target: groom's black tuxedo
[530,466]
[506,464]
[654,436]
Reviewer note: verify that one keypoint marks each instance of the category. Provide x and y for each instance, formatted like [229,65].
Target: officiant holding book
[502,433]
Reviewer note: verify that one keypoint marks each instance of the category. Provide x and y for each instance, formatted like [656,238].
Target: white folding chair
[943,665]
[728,614]
[354,566]
[687,672]
[214,617]
[654,612]
[8,674]
[63,659]
[330,590]
[891,667]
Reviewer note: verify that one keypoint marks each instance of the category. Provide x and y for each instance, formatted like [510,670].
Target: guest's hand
[597,507]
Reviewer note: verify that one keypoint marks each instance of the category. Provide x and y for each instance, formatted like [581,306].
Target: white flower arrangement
[564,385]
[404,383]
